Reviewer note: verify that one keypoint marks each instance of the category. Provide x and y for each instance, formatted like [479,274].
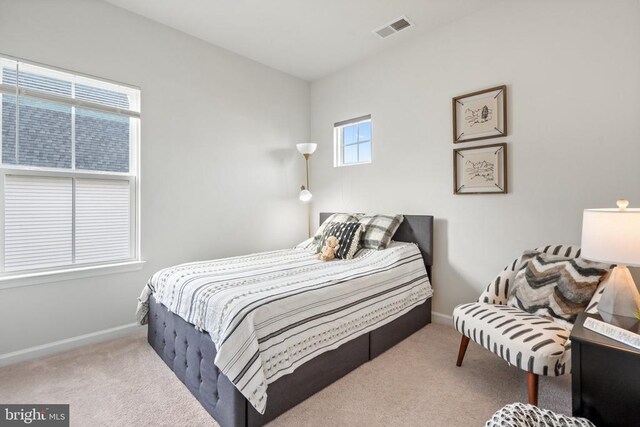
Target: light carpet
[416,383]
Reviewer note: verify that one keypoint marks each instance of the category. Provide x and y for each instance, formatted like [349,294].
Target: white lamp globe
[305,195]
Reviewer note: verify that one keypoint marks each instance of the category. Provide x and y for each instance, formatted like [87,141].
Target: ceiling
[305,38]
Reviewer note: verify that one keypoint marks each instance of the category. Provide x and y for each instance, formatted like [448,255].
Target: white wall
[218,155]
[218,132]
[573,74]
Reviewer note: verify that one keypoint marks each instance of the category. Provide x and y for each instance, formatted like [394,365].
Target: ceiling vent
[399,24]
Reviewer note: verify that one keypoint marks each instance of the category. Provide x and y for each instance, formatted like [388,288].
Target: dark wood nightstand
[605,377]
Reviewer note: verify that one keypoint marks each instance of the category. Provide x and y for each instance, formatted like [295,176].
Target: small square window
[352,142]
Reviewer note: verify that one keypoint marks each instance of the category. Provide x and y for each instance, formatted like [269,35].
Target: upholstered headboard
[417,229]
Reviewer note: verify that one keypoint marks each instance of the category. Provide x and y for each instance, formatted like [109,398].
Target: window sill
[346,165]
[28,279]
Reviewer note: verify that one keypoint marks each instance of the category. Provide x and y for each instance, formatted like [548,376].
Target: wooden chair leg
[463,349]
[532,380]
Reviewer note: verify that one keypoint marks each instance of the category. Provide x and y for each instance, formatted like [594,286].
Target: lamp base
[621,296]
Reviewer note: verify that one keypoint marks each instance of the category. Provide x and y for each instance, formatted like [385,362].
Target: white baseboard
[442,319]
[112,333]
[68,344]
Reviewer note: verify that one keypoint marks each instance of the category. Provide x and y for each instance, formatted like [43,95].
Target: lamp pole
[306,149]
[306,161]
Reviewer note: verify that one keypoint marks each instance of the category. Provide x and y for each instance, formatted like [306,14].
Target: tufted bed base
[190,355]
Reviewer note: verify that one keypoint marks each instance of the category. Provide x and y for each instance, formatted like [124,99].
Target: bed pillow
[348,235]
[336,217]
[378,230]
[307,244]
[555,287]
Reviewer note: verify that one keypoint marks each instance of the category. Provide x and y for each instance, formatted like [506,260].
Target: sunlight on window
[353,142]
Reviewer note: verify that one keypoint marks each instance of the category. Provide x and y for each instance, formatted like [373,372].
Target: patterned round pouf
[523,415]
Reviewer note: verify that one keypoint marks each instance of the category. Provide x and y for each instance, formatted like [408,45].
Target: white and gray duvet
[269,313]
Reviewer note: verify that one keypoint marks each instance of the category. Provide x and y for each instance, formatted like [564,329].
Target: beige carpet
[124,383]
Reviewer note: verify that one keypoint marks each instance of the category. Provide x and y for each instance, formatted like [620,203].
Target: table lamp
[306,149]
[612,236]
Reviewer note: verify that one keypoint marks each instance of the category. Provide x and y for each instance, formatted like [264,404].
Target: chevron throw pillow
[555,287]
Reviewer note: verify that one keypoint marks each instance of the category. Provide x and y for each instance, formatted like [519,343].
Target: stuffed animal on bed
[329,249]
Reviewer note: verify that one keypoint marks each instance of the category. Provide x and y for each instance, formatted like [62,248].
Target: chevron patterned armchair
[534,344]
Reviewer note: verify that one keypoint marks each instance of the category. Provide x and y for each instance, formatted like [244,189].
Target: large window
[352,141]
[68,187]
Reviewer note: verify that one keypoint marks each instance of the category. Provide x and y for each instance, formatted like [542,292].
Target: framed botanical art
[480,115]
[480,170]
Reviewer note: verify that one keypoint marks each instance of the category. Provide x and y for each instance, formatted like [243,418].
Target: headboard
[416,229]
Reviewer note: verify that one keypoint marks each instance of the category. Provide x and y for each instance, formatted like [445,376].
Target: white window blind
[69,169]
[38,222]
[102,220]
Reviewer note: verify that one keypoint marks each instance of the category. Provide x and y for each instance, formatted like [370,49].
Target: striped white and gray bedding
[269,313]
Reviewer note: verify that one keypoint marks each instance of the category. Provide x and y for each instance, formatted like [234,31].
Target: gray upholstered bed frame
[190,353]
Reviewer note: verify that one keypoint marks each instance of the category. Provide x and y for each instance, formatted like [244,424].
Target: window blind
[69,148]
[37,222]
[102,220]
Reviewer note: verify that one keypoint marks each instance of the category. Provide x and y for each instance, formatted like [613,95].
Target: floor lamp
[307,149]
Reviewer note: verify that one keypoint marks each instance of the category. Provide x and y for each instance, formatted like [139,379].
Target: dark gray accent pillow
[348,235]
[336,217]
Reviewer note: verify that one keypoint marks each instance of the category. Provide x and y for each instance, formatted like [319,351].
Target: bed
[242,397]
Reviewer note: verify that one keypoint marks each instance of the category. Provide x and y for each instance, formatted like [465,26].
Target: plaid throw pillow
[378,230]
[336,217]
[348,235]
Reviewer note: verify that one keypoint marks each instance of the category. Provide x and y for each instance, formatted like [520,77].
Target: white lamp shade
[305,195]
[611,236]
[306,148]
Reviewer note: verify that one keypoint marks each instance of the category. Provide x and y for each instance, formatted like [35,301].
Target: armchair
[534,344]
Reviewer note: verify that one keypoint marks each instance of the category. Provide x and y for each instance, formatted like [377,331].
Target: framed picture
[480,170]
[480,115]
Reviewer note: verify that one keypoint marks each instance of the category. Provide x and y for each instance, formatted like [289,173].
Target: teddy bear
[329,249]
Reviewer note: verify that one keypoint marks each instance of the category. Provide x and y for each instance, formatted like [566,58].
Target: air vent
[400,24]
[385,31]
[394,27]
